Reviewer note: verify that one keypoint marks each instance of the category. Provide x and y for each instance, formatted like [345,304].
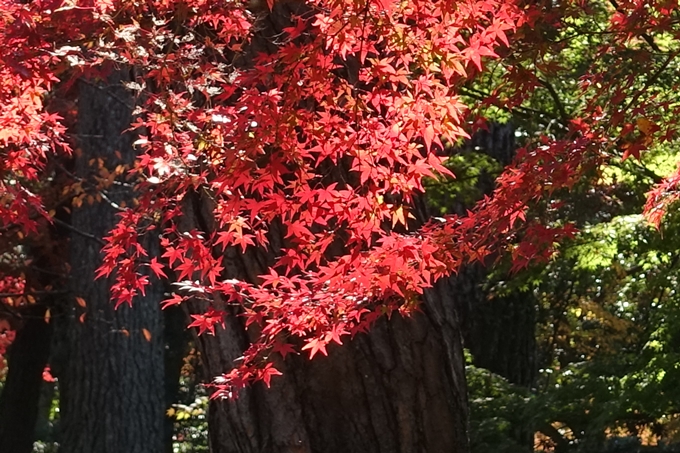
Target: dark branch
[648,39]
[525,112]
[556,98]
[79,232]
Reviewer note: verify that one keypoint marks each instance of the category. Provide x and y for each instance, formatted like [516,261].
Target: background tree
[111,362]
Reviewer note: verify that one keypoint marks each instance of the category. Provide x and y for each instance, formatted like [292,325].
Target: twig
[648,39]
[558,102]
[651,80]
[526,112]
[78,232]
[107,89]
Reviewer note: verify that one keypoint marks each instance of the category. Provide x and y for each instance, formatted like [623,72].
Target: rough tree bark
[177,344]
[399,389]
[111,367]
[501,337]
[22,407]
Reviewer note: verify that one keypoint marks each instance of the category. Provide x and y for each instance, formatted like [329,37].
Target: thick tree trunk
[498,331]
[23,412]
[111,375]
[19,399]
[399,389]
[177,340]
[502,336]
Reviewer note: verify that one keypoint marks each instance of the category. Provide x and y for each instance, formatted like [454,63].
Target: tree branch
[558,102]
[648,39]
[78,232]
[526,112]
[651,80]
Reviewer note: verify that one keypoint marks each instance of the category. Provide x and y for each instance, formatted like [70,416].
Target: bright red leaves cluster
[308,143]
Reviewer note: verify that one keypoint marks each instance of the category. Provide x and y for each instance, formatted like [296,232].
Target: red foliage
[322,143]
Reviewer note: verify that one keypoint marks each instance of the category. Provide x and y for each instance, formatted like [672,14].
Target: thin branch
[107,89]
[651,80]
[41,270]
[78,232]
[526,112]
[639,166]
[561,443]
[111,203]
[556,98]
[648,39]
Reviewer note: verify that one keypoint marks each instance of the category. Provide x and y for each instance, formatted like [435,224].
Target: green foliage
[189,413]
[45,447]
[608,305]
[609,346]
[498,411]
[470,168]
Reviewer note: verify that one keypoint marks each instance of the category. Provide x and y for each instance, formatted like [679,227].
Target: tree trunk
[111,375]
[23,412]
[19,399]
[498,331]
[177,340]
[399,389]
[502,336]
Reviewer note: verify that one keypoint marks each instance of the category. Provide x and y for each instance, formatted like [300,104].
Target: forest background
[571,332]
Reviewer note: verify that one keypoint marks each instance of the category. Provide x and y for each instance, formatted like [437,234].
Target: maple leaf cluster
[307,145]
[312,150]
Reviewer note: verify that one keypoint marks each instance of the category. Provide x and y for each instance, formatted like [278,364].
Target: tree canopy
[312,138]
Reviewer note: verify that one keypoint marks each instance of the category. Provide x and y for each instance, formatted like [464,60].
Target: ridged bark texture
[111,378]
[498,331]
[399,389]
